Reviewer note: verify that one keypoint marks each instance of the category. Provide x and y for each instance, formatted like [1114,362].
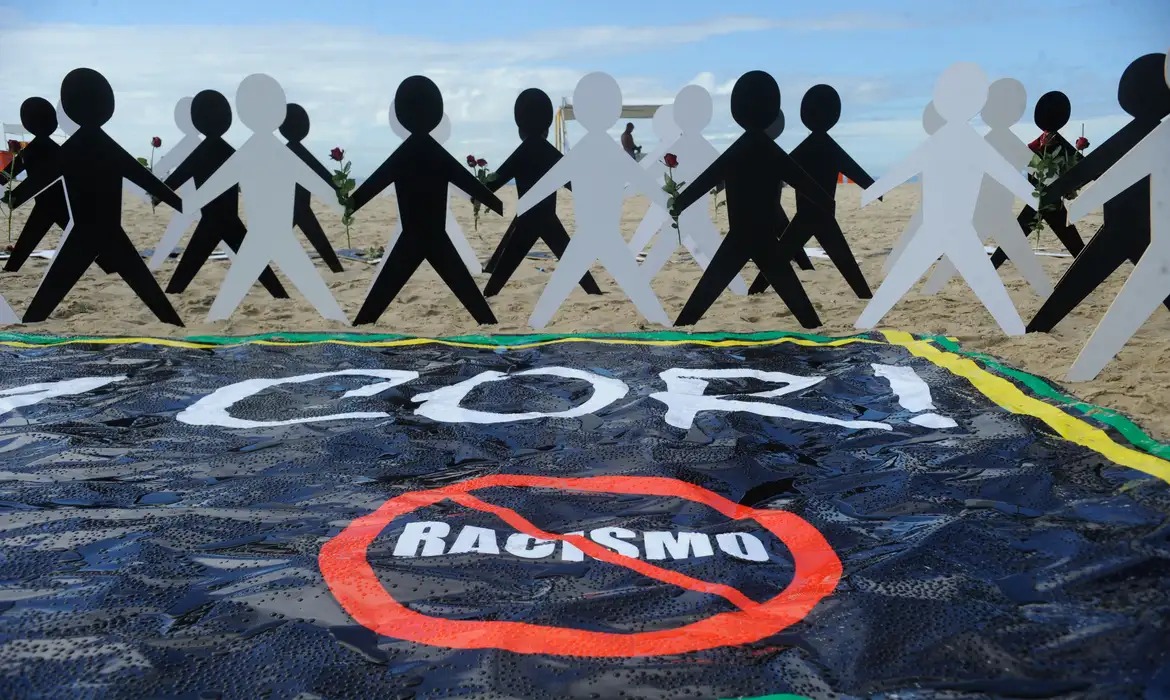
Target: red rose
[155,142]
[1082,143]
[471,161]
[337,154]
[671,160]
[481,163]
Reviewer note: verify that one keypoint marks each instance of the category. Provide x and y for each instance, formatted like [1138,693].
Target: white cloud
[346,78]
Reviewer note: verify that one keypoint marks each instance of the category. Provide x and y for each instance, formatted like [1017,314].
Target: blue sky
[343,58]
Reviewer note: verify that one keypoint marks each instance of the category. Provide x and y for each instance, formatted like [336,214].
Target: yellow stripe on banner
[406,342]
[1011,398]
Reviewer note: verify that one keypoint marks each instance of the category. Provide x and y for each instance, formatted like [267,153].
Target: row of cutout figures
[969,184]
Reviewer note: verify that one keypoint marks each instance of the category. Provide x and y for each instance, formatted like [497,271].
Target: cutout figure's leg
[728,260]
[1027,222]
[1026,261]
[557,239]
[1139,296]
[233,237]
[7,315]
[777,270]
[67,267]
[132,268]
[306,221]
[832,239]
[922,251]
[170,239]
[459,239]
[800,257]
[459,280]
[793,238]
[1137,247]
[664,246]
[911,228]
[199,249]
[572,267]
[40,220]
[702,239]
[300,270]
[106,265]
[967,254]
[616,258]
[490,268]
[759,284]
[243,273]
[518,246]
[1069,237]
[402,261]
[1102,257]
[653,222]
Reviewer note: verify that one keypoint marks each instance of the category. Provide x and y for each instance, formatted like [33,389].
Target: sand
[1134,383]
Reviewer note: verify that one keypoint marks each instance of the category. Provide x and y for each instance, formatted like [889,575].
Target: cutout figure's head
[1006,101]
[64,123]
[86,96]
[755,100]
[261,103]
[1052,111]
[960,92]
[597,102]
[534,113]
[821,108]
[211,113]
[931,120]
[692,109]
[296,123]
[1142,91]
[442,132]
[418,104]
[395,125]
[183,116]
[776,128]
[663,124]
[38,116]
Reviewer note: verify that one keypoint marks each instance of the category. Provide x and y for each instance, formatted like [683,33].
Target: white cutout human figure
[692,113]
[952,163]
[7,315]
[598,169]
[267,173]
[1149,283]
[667,132]
[467,254]
[994,216]
[180,221]
[931,122]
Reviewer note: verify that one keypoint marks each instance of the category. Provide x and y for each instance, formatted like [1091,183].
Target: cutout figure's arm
[556,176]
[138,173]
[851,169]
[1101,158]
[505,172]
[13,171]
[32,186]
[315,164]
[997,168]
[180,175]
[223,179]
[897,175]
[796,177]
[703,183]
[1130,168]
[644,181]
[171,159]
[464,180]
[379,180]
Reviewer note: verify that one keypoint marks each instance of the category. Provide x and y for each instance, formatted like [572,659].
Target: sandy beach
[1133,383]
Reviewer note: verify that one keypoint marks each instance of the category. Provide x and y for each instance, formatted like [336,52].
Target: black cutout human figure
[800,257]
[1051,114]
[211,115]
[528,164]
[823,158]
[93,167]
[39,118]
[421,171]
[294,129]
[752,169]
[1125,233]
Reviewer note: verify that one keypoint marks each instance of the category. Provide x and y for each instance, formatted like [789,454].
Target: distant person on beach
[628,141]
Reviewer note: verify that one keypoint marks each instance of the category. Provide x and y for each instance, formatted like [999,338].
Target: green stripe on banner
[1041,387]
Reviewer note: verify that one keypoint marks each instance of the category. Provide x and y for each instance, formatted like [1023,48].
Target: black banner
[600,519]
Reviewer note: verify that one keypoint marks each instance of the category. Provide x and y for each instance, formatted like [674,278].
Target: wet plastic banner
[655,516]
